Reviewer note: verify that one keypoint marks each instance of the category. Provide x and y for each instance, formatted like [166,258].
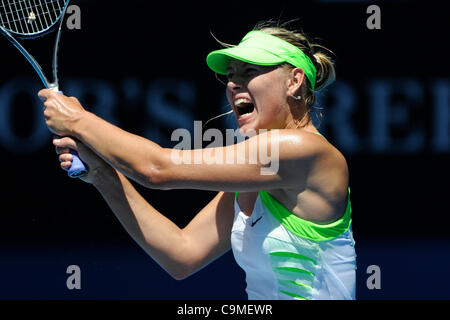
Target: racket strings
[29,17]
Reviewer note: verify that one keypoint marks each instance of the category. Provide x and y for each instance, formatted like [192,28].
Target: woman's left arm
[132,155]
[271,160]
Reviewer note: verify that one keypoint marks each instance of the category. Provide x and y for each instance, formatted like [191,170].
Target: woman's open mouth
[243,107]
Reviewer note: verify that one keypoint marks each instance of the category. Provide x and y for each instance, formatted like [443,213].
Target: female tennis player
[289,228]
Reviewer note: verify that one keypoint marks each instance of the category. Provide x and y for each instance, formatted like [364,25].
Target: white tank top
[286,257]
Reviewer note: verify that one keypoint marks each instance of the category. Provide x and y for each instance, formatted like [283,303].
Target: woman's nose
[235,84]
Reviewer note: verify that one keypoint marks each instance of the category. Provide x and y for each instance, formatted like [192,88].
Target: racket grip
[78,168]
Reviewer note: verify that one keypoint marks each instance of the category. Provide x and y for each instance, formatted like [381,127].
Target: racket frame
[78,168]
[54,85]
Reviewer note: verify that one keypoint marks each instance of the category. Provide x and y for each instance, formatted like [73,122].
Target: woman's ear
[295,81]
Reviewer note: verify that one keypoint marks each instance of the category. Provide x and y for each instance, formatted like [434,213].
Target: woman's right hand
[94,163]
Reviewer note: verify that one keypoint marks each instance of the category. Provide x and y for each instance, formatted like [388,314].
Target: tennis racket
[28,19]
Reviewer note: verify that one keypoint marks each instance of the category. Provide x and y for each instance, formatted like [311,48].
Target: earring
[299,97]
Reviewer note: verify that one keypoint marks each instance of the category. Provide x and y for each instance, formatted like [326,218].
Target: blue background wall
[145,70]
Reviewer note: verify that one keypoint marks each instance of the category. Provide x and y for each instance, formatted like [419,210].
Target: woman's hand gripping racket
[32,19]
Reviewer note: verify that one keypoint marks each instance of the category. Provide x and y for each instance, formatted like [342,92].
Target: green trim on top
[307,229]
[297,270]
[291,255]
[293,282]
[320,135]
[293,295]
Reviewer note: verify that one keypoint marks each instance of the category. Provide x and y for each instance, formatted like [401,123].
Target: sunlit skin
[312,181]
[270,88]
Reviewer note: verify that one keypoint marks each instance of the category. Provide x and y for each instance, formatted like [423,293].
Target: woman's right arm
[180,251]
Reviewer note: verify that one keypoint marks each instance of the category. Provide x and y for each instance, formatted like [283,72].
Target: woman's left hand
[61,113]
[97,166]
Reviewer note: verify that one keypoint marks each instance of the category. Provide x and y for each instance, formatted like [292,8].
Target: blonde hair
[326,73]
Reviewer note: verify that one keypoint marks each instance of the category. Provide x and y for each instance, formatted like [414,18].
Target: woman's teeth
[244,106]
[239,101]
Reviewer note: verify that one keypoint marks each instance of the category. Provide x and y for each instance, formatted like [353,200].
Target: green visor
[263,49]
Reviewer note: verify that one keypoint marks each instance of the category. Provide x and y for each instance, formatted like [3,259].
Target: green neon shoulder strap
[307,229]
[304,228]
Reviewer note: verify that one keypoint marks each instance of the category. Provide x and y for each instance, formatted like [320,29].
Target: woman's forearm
[136,157]
[158,236]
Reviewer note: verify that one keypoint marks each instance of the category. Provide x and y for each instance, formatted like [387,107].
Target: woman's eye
[250,70]
[243,73]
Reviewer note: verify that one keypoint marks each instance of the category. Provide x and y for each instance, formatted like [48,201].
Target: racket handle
[78,169]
